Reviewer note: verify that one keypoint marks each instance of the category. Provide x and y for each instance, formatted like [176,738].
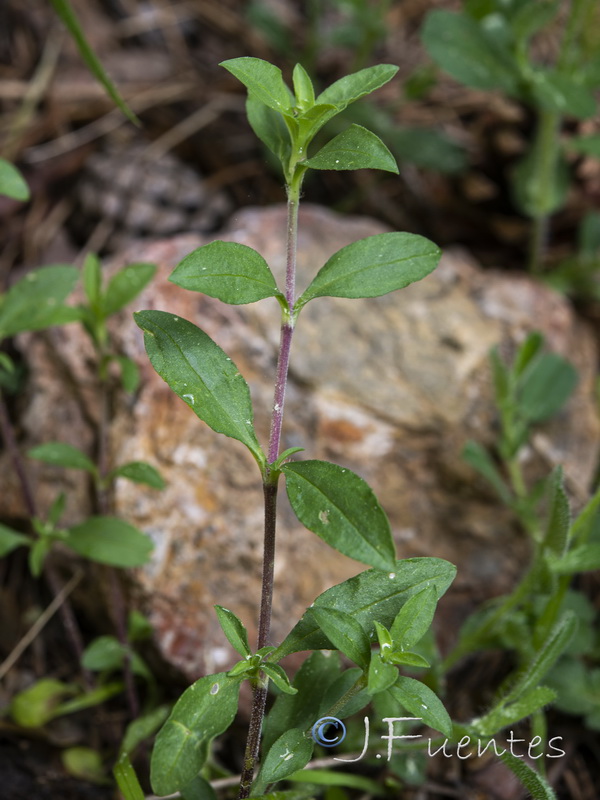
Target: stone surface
[390,387]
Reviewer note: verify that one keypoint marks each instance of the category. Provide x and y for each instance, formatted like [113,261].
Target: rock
[390,387]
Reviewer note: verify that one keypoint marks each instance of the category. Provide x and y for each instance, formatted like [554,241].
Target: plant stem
[114,592]
[545,199]
[270,488]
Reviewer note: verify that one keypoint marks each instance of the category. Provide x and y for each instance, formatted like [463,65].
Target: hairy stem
[287,324]
[270,490]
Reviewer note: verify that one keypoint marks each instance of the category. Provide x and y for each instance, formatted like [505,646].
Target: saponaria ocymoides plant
[390,605]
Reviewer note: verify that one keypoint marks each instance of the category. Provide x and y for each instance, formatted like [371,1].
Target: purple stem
[259,697]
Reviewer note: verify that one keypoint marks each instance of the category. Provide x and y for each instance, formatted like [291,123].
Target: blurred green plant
[530,390]
[487,46]
[579,274]
[67,15]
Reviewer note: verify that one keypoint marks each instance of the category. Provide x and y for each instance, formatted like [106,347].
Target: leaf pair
[107,540]
[62,454]
[371,267]
[287,123]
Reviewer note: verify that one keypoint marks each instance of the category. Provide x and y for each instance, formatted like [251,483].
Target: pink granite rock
[390,387]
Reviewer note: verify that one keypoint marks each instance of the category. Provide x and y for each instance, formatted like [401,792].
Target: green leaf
[303,88]
[263,80]
[127,780]
[232,272]
[383,636]
[277,674]
[459,45]
[57,509]
[414,618]
[559,521]
[139,628]
[423,703]
[325,777]
[370,596]
[199,372]
[584,524]
[586,145]
[354,148]
[478,457]
[313,119]
[107,654]
[506,714]
[539,184]
[581,559]
[527,351]
[545,386]
[291,752]
[37,705]
[125,286]
[344,632]
[89,699]
[336,697]
[84,763]
[341,508]
[562,94]
[408,659]
[531,18]
[143,727]
[37,555]
[270,128]
[301,710]
[374,266]
[284,455]
[65,11]
[555,644]
[381,675]
[130,374]
[198,789]
[6,363]
[61,454]
[35,301]
[10,540]
[535,784]
[205,710]
[139,472]
[12,183]
[352,87]
[110,540]
[92,279]
[234,630]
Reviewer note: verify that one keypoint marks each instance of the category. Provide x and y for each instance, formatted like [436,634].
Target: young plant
[488,46]
[530,390]
[34,303]
[37,302]
[329,500]
[391,604]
